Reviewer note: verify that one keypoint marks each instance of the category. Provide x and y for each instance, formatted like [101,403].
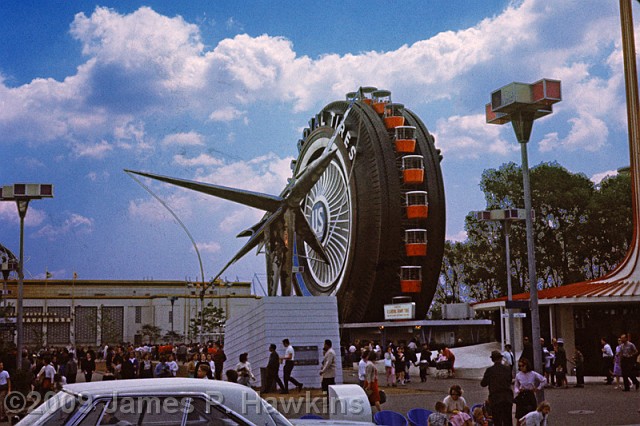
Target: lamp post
[506,217]
[521,104]
[172,299]
[22,193]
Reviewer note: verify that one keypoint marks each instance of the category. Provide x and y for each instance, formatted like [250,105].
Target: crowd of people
[511,380]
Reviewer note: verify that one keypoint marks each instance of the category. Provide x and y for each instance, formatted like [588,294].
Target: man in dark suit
[273,368]
[498,378]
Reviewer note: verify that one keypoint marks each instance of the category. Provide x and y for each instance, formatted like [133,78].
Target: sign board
[306,355]
[520,315]
[400,311]
[517,304]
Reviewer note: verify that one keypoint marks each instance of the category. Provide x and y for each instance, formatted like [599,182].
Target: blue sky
[220,92]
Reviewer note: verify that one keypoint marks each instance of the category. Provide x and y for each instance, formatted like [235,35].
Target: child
[578,361]
[479,418]
[439,416]
[538,417]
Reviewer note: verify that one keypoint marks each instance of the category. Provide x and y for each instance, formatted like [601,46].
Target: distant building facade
[95,312]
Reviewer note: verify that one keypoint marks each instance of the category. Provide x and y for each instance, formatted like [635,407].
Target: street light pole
[23,205]
[22,193]
[521,104]
[507,227]
[505,216]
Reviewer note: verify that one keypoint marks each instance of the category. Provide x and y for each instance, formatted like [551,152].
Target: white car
[182,402]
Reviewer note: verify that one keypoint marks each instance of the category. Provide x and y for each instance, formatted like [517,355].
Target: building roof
[584,292]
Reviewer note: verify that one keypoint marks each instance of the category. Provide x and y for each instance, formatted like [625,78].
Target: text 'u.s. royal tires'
[358,210]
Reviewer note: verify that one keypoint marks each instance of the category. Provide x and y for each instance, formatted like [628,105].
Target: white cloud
[200,160]
[599,177]
[209,247]
[75,223]
[98,176]
[145,66]
[461,236]
[227,113]
[97,150]
[9,214]
[470,137]
[587,133]
[184,139]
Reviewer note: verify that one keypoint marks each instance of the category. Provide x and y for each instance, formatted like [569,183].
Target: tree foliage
[581,231]
[152,332]
[214,320]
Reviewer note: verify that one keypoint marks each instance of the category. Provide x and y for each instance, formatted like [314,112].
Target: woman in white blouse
[526,384]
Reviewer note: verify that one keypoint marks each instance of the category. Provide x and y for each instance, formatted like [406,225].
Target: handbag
[383,396]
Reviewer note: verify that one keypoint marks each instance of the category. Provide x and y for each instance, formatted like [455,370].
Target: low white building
[94,312]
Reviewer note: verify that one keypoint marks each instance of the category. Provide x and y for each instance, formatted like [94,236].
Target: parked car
[164,402]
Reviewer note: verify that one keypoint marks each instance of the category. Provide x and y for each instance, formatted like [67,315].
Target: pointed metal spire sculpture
[284,218]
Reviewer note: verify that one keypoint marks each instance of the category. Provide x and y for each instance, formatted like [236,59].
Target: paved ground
[595,404]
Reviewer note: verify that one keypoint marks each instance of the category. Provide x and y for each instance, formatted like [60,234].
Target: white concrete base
[305,321]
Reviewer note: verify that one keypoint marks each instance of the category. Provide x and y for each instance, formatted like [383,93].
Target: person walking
[607,360]
[289,358]
[273,369]
[509,359]
[371,381]
[498,379]
[425,359]
[362,370]
[527,383]
[628,355]
[88,366]
[243,367]
[328,370]
[5,388]
[561,365]
[389,362]
[617,366]
[219,357]
[71,370]
[578,361]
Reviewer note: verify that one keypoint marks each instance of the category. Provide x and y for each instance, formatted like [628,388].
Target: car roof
[157,385]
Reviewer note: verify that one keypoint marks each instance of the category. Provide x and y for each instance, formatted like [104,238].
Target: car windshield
[57,409]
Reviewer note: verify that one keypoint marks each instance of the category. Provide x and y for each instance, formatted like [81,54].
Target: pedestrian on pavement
[273,369]
[289,358]
[607,360]
[498,379]
[527,383]
[5,388]
[328,369]
[628,355]
[509,359]
[362,369]
[219,358]
[371,382]
[425,359]
[245,375]
[617,366]
[578,361]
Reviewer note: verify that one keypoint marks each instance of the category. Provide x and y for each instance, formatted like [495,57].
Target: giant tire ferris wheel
[368,219]
[359,209]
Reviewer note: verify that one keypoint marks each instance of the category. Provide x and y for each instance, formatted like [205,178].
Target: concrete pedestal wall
[305,321]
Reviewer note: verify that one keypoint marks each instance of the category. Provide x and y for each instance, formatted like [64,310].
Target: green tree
[581,231]
[152,332]
[172,336]
[214,320]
